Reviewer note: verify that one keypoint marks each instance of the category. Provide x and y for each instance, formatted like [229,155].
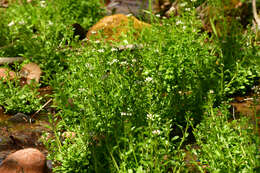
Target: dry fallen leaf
[31,72]
[5,73]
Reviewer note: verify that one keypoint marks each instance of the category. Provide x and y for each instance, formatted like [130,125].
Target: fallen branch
[256,17]
[42,107]
[10,60]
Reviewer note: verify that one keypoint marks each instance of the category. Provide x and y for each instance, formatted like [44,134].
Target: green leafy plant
[109,91]
[150,148]
[41,30]
[229,146]
[15,98]
[125,100]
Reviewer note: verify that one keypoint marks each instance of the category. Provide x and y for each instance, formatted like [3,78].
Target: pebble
[28,160]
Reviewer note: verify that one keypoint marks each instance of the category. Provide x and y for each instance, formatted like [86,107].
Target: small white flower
[125,114]
[97,41]
[129,46]
[158,15]
[123,63]
[172,8]
[11,23]
[256,89]
[150,116]
[85,39]
[187,9]
[238,18]
[148,79]
[193,0]
[133,60]
[183,4]
[125,41]
[113,61]
[82,89]
[211,91]
[179,22]
[184,27]
[43,4]
[93,32]
[89,66]
[22,22]
[113,49]
[146,73]
[100,50]
[156,132]
[50,23]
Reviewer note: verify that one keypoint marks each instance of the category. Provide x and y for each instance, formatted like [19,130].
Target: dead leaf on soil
[31,72]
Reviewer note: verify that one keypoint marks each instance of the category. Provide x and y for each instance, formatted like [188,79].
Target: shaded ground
[248,106]
[15,136]
[19,135]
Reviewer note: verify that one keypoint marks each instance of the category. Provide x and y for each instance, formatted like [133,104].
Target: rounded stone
[21,118]
[112,28]
[28,160]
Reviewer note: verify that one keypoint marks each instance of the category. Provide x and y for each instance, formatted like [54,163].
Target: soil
[248,106]
[16,135]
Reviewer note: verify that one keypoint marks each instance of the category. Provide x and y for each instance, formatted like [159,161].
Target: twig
[233,111]
[10,60]
[42,107]
[257,19]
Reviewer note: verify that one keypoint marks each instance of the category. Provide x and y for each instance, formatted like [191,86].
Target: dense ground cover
[139,109]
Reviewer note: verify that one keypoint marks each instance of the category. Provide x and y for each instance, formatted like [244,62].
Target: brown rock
[5,73]
[4,3]
[28,160]
[31,72]
[112,27]
[135,7]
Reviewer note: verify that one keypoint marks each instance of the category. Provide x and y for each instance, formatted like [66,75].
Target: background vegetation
[145,109]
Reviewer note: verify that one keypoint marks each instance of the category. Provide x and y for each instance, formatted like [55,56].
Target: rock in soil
[135,7]
[28,160]
[21,118]
[111,28]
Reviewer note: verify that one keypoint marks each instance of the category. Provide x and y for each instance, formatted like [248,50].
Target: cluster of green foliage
[15,98]
[226,146]
[132,109]
[39,31]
